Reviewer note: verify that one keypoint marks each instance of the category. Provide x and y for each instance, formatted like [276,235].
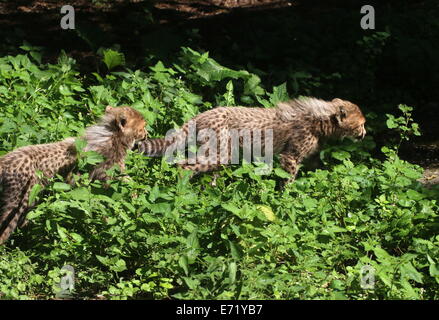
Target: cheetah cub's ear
[119,116]
[341,114]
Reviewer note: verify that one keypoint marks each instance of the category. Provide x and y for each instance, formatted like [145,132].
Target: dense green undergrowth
[162,235]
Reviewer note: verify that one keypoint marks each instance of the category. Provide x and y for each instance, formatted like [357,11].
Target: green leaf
[78,238]
[412,194]
[337,284]
[279,94]
[34,214]
[268,212]
[34,192]
[434,269]
[65,91]
[61,186]
[382,255]
[119,266]
[341,155]
[161,207]
[80,144]
[113,59]
[232,271]
[333,229]
[232,208]
[409,271]
[228,96]
[166,285]
[410,292]
[103,260]
[93,157]
[391,122]
[192,241]
[411,173]
[80,194]
[309,203]
[183,263]
[62,232]
[282,173]
[235,252]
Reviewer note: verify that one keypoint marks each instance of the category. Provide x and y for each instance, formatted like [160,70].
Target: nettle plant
[403,124]
[163,235]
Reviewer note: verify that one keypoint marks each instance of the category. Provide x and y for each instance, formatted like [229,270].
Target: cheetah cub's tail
[158,147]
[153,147]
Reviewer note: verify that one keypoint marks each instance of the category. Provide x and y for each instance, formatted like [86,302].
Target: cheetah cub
[118,130]
[296,127]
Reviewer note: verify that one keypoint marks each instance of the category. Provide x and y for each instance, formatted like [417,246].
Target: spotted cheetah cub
[118,130]
[296,128]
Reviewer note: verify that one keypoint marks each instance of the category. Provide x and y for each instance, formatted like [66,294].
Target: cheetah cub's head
[129,122]
[349,120]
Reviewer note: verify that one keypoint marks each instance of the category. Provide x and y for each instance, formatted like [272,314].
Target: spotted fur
[118,130]
[298,126]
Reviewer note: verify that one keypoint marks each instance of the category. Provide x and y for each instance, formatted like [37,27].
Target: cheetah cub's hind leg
[220,150]
[15,200]
[200,167]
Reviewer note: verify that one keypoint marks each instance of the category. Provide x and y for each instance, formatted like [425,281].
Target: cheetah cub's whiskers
[117,131]
[297,127]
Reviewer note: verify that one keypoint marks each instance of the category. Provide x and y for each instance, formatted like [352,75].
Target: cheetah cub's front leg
[293,155]
[290,163]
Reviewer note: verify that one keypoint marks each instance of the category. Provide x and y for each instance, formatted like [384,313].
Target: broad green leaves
[113,59]
[164,235]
